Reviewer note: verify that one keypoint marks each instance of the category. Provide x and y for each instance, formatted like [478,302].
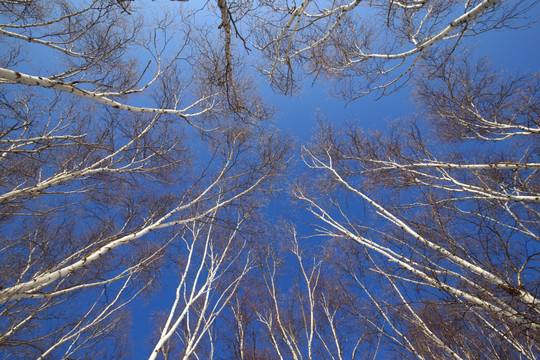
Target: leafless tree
[367,45]
[296,310]
[207,283]
[97,194]
[447,221]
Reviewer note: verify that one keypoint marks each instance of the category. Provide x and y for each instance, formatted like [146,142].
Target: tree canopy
[139,163]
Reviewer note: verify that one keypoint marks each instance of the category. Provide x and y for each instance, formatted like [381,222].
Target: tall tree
[99,195]
[451,224]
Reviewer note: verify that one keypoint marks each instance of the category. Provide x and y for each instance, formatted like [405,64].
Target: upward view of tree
[453,235]
[137,157]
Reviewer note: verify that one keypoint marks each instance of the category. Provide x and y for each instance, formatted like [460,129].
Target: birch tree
[115,149]
[213,270]
[451,217]
[295,306]
[367,46]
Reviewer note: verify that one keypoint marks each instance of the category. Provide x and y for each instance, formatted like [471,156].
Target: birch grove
[139,164]
[453,219]
[99,192]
